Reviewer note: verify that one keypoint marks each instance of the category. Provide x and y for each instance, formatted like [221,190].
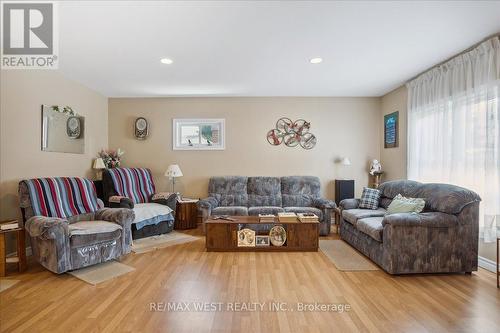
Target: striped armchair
[134,188]
[68,226]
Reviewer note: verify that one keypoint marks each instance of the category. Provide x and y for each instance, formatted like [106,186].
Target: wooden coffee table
[222,235]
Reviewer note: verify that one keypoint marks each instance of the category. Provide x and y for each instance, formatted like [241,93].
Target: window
[198,134]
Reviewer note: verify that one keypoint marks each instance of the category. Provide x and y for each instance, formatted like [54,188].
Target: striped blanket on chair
[62,196]
[134,183]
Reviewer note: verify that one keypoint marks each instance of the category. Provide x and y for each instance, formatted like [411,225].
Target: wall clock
[141,128]
[73,127]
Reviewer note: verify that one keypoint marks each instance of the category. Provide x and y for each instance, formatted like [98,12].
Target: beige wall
[393,160]
[22,94]
[343,126]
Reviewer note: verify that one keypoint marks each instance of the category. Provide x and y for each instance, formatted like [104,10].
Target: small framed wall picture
[391,130]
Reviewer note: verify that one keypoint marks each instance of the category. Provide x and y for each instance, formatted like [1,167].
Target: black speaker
[344,189]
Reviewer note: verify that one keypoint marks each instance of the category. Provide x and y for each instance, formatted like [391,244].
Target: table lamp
[173,171]
[99,166]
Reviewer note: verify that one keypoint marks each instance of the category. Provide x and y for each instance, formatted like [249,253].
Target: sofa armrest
[165,198]
[206,206]
[117,201]
[209,202]
[326,206]
[50,242]
[322,203]
[121,216]
[429,220]
[349,203]
[47,227]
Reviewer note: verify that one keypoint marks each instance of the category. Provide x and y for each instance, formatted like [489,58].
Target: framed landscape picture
[391,129]
[198,134]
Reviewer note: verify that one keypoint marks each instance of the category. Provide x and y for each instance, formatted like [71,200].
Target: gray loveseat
[236,195]
[441,239]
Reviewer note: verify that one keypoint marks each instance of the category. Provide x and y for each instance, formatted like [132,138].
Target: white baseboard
[487,264]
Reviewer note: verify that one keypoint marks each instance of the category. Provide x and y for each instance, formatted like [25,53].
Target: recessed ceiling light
[316,60]
[166,61]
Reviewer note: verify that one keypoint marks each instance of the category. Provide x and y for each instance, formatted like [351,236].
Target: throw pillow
[401,204]
[369,198]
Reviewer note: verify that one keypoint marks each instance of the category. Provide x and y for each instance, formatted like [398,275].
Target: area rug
[344,257]
[102,272]
[152,243]
[6,284]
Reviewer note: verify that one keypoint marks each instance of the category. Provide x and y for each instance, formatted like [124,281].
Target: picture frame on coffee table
[246,238]
[262,240]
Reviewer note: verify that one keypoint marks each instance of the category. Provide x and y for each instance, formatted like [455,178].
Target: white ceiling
[260,48]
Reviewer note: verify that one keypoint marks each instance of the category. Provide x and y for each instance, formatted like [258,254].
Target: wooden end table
[20,259]
[222,235]
[186,215]
[336,212]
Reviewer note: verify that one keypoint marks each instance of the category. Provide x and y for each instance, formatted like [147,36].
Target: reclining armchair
[134,188]
[68,226]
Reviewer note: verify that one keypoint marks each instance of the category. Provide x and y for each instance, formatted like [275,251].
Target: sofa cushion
[87,233]
[314,210]
[428,220]
[372,226]
[92,227]
[264,191]
[392,188]
[446,198]
[150,214]
[255,211]
[369,198]
[353,215]
[229,191]
[402,204]
[230,210]
[299,191]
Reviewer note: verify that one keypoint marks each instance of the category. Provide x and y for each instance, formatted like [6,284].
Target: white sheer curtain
[454,128]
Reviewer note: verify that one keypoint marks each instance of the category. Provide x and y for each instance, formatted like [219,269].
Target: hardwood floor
[45,302]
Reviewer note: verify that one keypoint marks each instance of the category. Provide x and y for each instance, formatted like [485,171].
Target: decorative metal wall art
[292,133]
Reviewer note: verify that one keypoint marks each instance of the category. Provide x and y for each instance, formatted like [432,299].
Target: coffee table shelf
[221,235]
